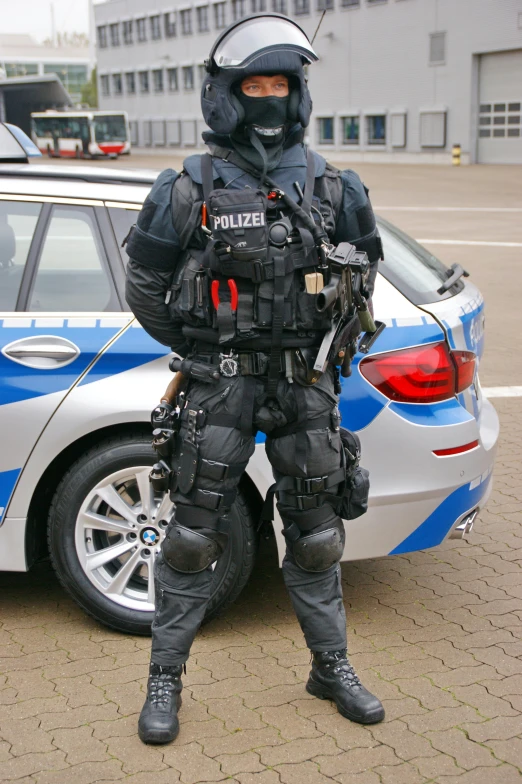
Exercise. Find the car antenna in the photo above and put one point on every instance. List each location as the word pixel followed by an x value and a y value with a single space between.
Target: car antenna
pixel 318 26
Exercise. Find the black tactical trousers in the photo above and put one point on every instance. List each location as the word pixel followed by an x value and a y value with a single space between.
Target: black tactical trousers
pixel 316 596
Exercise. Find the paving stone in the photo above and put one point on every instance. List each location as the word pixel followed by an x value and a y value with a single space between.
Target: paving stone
pixel 21 710
pixel 266 777
pixel 400 774
pixel 80 691
pixel 286 719
pixel 278 695
pixel 406 744
pixel 508 750
pixel 500 728
pixel 434 767
pixel 442 719
pixel 230 687
pixel 346 734
pixel 357 760
pixel 85 773
pixel 503 774
pixel 464 676
pixel 240 763
pixel 269 672
pixel 136 757
pixel 220 665
pixel 239 742
pixel 366 777
pixel 302 773
pixel 299 750
pixel 79 745
pixel 118 727
pixel 468 754
pixel 75 717
pixel 26 765
pixel 193 765
pixel 426 693
pixel 487 704
pixel 199 730
pixel 25 736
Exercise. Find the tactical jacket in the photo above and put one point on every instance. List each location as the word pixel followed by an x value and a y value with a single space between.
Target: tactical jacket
pixel 168 241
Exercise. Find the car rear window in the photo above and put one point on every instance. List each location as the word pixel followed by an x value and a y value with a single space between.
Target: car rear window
pixel 412 269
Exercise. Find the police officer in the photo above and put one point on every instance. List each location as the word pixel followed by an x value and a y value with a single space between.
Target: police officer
pixel 224 268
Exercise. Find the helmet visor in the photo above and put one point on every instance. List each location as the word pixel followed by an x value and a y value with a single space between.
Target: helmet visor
pixel 257 36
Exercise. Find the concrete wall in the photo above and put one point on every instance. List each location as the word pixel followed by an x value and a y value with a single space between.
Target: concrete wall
pixel 375 60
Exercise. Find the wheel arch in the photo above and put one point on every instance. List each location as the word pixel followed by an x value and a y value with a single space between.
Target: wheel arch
pixel 45 489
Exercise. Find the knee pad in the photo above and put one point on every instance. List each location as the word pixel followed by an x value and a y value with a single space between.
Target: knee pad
pixel 188 551
pixel 317 552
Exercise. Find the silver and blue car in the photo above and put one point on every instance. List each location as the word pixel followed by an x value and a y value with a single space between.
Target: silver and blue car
pixel 79 377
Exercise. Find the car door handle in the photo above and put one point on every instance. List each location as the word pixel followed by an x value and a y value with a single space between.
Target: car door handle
pixel 44 352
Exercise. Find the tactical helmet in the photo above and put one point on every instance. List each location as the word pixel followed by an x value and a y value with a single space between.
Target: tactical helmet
pixel 258 44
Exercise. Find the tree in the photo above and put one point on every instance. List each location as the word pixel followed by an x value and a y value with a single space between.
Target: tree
pixel 90 91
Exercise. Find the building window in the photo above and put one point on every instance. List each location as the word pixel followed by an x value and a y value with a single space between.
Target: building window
pixel 376 2
pixel 202 73
pixel 102 36
pixel 21 69
pixel 130 83
pixel 155 27
pixel 188 77
pixel 144 81
pixel 114 30
pixel 280 6
pixel 202 18
pixel 186 21
pixel 325 5
pixel 238 9
pixel 157 80
pixel 433 129
pixel 169 21
pixel 350 129
pixel 350 3
pixel 325 126
pixel 376 124
pixel 141 25
pixel 220 17
pixel 172 78
pixel 127 31
pixel 117 86
pixel 258 6
pixel 104 84
pixel 301 7
pixel 437 48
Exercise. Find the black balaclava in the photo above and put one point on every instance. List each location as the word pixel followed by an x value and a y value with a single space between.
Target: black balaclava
pixel 260 136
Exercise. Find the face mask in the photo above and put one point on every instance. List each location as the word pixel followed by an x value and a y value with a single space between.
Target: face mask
pixel 267 116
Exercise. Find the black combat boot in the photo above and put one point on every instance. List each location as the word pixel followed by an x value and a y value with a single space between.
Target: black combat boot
pixel 158 721
pixel 333 678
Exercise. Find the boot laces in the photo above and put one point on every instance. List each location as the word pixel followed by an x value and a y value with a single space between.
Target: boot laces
pixel 341 667
pixel 162 685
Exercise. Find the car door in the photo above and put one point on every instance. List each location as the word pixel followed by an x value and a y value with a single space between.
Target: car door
pixel 59 308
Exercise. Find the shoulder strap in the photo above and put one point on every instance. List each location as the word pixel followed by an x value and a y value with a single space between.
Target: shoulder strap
pixel 308 194
pixel 207 176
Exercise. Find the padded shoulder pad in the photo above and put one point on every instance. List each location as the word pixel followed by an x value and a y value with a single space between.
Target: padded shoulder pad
pixel 192 165
pixel 153 241
pixel 320 164
pixel 355 219
pixel 353 185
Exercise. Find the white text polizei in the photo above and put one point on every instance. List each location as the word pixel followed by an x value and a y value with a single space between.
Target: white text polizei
pixel 239 220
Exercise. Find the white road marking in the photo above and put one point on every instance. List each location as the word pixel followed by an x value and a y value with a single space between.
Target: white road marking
pixel 502 391
pixel 449 209
pixel 476 243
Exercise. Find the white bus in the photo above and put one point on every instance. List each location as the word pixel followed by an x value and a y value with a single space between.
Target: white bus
pixel 81 134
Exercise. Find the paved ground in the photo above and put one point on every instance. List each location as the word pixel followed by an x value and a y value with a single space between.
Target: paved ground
pixel 437 635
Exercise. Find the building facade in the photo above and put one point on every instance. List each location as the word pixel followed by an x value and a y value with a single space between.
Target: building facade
pixel 397 80
pixel 21 55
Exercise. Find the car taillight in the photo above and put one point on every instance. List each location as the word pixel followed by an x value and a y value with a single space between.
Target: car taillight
pixel 465 364
pixel 423 374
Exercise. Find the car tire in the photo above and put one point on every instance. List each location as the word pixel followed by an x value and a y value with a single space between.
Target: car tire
pixel 77 499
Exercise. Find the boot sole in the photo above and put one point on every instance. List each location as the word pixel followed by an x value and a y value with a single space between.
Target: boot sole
pixel 160 737
pixel 324 693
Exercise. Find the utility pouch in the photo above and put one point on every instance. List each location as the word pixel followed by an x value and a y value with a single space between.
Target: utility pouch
pixel 354 501
pixel 238 220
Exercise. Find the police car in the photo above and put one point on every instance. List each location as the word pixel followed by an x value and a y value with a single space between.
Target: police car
pixel 79 376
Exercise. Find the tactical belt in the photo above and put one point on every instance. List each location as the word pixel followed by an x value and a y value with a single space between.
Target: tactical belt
pixel 251 363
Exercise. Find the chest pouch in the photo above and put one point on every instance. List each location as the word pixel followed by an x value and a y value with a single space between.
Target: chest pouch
pixel 239 223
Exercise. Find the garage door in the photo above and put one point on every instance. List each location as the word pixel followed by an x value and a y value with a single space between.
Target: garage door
pixel 500 126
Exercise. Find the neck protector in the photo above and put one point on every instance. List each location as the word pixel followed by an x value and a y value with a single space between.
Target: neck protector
pixel 259 139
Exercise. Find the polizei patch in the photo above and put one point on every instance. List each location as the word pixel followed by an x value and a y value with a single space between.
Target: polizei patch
pixel 239 220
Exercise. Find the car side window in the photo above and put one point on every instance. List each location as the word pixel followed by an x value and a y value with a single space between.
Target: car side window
pixel 122 218
pixel 18 221
pixel 72 274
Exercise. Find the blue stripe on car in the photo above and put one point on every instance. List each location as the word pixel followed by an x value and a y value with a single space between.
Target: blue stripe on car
pixel 434 529
pixel 20 382
pixel 7 482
